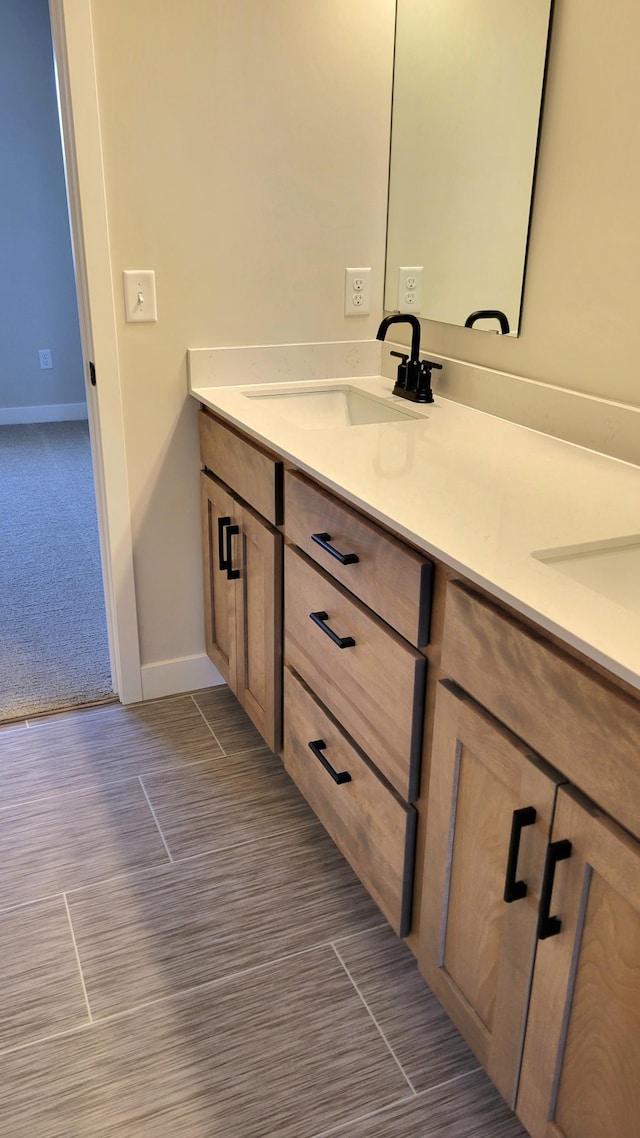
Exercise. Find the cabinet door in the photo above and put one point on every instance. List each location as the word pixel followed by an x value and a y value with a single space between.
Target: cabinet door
pixel 218 513
pixel 475 948
pixel 259 624
pixel 581 1065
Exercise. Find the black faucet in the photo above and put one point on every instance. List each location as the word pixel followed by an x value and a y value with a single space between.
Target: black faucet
pixel 414 375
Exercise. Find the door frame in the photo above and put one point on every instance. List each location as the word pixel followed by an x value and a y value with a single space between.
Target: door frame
pixel 72 34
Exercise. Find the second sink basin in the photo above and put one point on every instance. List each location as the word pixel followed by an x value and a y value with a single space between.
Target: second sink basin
pixel 315 408
pixel 610 567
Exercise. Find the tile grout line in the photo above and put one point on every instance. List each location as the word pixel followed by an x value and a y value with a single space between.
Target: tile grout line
pixel 159 865
pixel 167 998
pixel 90 788
pixel 342 1126
pixel 78 961
pixel 144 791
pixel 201 712
pixel 386 1041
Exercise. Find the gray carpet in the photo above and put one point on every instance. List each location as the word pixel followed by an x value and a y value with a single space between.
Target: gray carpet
pixel 53 635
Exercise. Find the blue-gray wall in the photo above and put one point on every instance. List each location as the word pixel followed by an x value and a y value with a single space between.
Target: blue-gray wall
pixel 38 307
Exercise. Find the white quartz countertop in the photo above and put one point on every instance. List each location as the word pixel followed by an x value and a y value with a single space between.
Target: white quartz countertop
pixel 482 495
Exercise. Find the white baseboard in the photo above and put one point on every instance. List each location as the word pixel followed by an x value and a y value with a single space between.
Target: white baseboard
pixel 169 677
pixel 53 413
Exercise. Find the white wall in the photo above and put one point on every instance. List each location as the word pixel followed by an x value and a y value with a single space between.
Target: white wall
pixel 246 147
pixel 246 150
pixel 37 289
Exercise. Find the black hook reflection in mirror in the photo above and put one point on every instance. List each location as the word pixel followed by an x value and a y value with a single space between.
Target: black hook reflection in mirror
pixel 489 314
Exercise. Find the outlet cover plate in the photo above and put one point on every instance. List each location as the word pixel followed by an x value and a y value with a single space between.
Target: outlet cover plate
pixel 410 288
pixel 357 292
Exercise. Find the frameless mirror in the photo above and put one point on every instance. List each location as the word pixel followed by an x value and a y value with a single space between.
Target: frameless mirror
pixel 467 98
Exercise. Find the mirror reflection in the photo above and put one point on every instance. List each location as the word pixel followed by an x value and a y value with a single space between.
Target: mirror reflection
pixel 468 83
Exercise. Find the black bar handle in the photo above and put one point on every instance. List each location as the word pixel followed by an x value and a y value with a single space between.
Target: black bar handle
pixel 323 539
pixel 232 574
pixel 319 618
pixel 222 522
pixel 489 314
pixel 317 747
pixel 550 926
pixel 514 890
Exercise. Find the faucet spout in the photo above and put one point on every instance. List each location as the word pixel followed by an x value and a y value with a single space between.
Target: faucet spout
pixel 402 318
pixel 414 375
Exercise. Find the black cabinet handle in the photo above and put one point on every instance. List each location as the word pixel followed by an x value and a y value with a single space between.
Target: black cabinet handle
pixel 550 926
pixel 514 890
pixel 232 574
pixel 317 747
pixel 323 539
pixel 222 522
pixel 319 618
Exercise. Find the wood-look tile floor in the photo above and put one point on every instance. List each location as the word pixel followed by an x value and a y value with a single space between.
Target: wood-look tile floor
pixel 185 954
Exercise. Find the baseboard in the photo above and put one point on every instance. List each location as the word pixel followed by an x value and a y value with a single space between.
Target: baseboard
pixel 169 677
pixel 53 413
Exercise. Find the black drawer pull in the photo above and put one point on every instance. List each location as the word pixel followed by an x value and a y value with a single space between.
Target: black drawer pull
pixel 323 539
pixel 515 890
pixel 222 522
pixel 232 574
pixel 319 618
pixel 550 926
pixel 317 747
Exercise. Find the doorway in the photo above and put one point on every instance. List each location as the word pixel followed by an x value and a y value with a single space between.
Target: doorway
pixel 54 647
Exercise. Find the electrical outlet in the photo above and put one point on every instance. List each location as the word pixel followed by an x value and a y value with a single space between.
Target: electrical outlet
pixel 357 292
pixel 46 358
pixel 409 288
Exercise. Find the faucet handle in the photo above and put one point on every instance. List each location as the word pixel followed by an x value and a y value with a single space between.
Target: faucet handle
pixel 402 377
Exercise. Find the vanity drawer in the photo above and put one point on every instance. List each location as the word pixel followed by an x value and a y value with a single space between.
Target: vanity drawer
pixel 252 473
pixel 375 687
pixel 581 724
pixel 393 580
pixel 374 830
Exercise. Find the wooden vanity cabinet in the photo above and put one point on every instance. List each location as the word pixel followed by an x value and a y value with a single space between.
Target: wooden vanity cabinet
pixel 476 950
pixel 242 571
pixel 580 1075
pixel 354 686
pixel 546 987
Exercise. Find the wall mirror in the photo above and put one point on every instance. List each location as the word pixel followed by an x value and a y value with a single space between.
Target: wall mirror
pixel 467 100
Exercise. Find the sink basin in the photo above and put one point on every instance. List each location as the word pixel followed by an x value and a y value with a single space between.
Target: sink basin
pixel 611 568
pixel 315 408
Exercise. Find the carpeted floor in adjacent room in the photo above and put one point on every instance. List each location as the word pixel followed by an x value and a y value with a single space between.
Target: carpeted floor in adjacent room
pixel 53 637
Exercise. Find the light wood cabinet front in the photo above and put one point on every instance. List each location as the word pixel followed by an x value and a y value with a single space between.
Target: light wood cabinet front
pixel 251 472
pixel 392 579
pixel 374 685
pixel 243 604
pixel 475 948
pixel 372 827
pixel 581 1065
pixel 217 513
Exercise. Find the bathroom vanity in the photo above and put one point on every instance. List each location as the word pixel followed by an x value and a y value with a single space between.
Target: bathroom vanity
pixel 401 607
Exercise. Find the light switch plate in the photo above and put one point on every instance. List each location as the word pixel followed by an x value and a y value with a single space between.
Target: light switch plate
pixel 140 295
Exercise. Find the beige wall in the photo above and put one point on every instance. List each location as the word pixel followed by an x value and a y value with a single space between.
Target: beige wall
pixel 246 150
pixel 246 147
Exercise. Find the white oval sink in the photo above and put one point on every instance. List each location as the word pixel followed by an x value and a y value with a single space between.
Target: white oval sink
pixel 315 408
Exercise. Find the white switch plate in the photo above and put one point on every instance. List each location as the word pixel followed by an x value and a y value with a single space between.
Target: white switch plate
pixel 409 288
pixel 357 292
pixel 140 295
